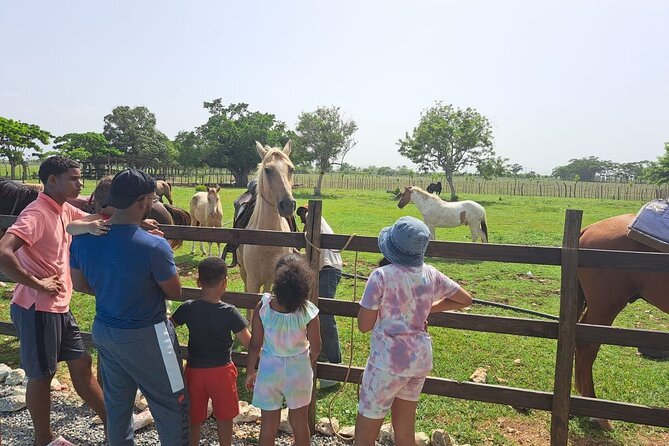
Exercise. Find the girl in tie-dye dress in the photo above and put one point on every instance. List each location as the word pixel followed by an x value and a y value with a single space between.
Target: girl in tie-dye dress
pixel 395 305
pixel 286 336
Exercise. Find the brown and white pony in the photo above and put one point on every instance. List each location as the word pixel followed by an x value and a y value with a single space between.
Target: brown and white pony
pixel 274 204
pixel 206 211
pixel 439 213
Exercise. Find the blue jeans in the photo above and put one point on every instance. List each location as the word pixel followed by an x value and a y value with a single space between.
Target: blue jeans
pixel 328 279
pixel 148 358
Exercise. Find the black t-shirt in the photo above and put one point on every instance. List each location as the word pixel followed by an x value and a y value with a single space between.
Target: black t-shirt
pixel 210 328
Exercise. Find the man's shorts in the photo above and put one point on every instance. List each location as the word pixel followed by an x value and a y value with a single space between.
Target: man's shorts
pixel 278 377
pixel 380 388
pixel 46 339
pixel 217 383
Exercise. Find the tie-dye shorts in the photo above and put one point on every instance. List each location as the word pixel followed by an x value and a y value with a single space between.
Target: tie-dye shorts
pixel 283 377
pixel 380 388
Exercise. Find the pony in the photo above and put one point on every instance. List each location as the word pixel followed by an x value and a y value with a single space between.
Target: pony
pixel 274 205
pixel 14 197
pixel 605 292
pixel 435 188
pixel 439 213
pixel 164 188
pixel 205 207
pixel 164 214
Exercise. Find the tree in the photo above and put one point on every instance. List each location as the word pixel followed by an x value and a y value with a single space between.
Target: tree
pixel 449 139
pixel 326 137
pixel 229 135
pixel 515 168
pixel 16 137
pixel 133 132
pixel 658 172
pixel 585 169
pixel 493 167
pixel 88 147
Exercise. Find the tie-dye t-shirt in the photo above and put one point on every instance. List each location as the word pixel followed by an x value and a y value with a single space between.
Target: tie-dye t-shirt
pixel 285 333
pixel 403 297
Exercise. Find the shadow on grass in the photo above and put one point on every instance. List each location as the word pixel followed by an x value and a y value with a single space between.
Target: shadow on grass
pixel 590 435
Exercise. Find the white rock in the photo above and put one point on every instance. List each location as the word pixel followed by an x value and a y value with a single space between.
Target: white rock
pixel 4 371
pixel 347 431
pixel 210 408
pixel 141 419
pixel 247 413
pixel 15 377
pixel 441 438
pixel 386 434
pixel 12 403
pixel 55 385
pixel 421 439
pixel 18 390
pixel 326 428
pixel 97 420
pixel 480 375
pixel 141 404
pixel 285 426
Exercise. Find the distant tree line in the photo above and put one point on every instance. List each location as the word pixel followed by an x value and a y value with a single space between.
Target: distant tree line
pixel 447 141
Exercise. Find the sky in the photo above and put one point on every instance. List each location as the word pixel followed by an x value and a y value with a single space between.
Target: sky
pixel 557 79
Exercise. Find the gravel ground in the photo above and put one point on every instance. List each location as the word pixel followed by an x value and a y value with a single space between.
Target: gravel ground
pixel 74 420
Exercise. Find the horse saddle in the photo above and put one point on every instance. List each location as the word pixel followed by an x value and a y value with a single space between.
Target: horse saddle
pixel 651 225
pixel 244 206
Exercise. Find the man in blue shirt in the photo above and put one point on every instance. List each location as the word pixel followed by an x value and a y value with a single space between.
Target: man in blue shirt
pixel 132 273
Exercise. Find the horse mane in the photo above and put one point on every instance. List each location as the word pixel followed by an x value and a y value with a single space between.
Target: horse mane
pixel 425 193
pixel 14 197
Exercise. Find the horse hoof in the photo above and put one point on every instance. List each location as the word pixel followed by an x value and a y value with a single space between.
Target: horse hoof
pixel 603 423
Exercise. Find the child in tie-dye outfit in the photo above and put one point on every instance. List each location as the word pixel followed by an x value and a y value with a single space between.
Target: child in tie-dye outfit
pixel 395 305
pixel 286 326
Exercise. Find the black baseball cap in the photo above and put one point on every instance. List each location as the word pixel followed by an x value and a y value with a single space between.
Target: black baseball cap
pixel 127 186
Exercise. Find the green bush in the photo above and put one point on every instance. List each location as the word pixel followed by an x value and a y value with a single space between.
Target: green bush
pixel 200 188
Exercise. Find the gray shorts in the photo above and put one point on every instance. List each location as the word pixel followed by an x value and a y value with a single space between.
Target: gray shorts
pixel 46 339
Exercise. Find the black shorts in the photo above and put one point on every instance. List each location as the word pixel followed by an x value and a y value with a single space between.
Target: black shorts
pixel 46 339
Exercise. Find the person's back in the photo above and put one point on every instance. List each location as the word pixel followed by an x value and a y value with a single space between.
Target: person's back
pixel 210 372
pixel 124 268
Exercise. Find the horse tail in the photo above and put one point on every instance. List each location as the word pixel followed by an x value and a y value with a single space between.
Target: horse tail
pixel 582 304
pixel 180 217
pixel 484 228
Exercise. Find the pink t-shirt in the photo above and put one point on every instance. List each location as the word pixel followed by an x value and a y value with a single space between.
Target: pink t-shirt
pixel 403 297
pixel 46 251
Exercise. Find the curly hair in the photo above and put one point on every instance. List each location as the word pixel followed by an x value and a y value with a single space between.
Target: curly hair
pixel 55 165
pixel 211 271
pixel 293 280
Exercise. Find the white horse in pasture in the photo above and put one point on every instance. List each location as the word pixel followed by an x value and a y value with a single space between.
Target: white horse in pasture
pixel 205 210
pixel 439 213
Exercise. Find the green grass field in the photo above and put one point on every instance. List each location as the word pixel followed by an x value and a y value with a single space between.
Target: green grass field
pixel 620 374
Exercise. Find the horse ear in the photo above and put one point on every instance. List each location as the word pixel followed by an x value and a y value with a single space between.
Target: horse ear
pixel 261 150
pixel 288 147
pixel 218 188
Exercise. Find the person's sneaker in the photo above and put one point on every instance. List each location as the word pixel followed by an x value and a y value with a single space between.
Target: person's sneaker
pixel 60 441
pixel 325 383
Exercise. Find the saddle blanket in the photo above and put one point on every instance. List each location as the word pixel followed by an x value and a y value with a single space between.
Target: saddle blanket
pixel 651 225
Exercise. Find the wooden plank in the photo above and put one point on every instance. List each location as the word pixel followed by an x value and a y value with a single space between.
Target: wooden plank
pixel 237 236
pixel 629 260
pixel 313 235
pixel 564 362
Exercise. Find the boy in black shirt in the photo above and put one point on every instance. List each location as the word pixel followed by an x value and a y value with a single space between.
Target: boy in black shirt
pixel 210 372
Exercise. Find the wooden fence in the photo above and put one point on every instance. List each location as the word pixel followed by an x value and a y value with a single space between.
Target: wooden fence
pixel 567 331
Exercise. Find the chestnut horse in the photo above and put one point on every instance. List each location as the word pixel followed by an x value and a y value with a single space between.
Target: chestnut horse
pixel 608 291
pixel 439 213
pixel 274 201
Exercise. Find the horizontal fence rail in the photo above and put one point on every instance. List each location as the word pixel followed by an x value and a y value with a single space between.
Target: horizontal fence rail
pixel 657 262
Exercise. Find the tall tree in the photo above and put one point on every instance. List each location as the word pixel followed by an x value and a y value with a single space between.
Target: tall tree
pixel 449 139
pixel 658 172
pixel 493 167
pixel 16 137
pixel 228 137
pixel 582 169
pixel 89 147
pixel 133 132
pixel 325 137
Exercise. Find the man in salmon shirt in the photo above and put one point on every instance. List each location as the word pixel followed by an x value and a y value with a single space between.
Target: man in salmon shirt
pixel 35 253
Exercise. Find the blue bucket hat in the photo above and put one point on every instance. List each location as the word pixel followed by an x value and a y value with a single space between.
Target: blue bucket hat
pixel 405 242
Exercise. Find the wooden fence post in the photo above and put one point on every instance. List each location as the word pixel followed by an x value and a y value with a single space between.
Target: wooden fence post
pixel 566 344
pixel 314 257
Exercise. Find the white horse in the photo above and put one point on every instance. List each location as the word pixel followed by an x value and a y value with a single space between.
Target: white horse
pixel 205 210
pixel 439 213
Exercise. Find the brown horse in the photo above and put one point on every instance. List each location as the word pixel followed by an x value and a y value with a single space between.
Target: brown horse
pixel 274 204
pixel 607 292
pixel 164 214
pixel 164 188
